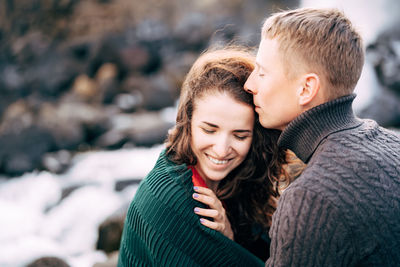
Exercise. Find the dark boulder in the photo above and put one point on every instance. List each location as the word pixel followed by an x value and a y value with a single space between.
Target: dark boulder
pixel 129 55
pixel 22 151
pixel 48 262
pixel 110 231
pixel 139 129
pixel 384 54
pixel 385 109
pixel 120 185
pixel 151 93
pixel 57 162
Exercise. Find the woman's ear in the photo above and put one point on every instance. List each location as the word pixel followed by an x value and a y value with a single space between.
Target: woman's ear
pixel 308 89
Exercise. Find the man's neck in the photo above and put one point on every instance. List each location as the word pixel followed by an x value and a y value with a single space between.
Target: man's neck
pixel 304 134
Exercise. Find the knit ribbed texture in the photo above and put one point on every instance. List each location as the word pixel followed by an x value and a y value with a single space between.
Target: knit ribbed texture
pixel 161 228
pixel 344 210
pixel 306 131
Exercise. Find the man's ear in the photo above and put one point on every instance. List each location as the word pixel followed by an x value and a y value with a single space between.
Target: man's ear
pixel 309 88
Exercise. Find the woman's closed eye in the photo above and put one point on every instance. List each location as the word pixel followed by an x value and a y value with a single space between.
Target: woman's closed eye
pixel 208 131
pixel 241 137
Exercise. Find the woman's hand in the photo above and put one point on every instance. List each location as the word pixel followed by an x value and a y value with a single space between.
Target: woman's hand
pixel 216 211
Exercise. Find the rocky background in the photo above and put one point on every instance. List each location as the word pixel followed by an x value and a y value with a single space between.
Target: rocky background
pixel 78 76
pixel 94 74
pixel 384 55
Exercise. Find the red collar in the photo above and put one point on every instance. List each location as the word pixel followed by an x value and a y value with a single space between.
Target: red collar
pixel 196 178
pixel 198 181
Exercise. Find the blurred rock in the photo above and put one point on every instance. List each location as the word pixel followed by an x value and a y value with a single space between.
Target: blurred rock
pixel 24 15
pixel 158 97
pixel 52 74
pixel 122 184
pixel 28 48
pixel 176 70
pixel 150 137
pixel 139 129
pixel 152 93
pixel 72 123
pixel 57 162
pixel 137 57
pixel 96 18
pixel 107 71
pixel 68 190
pixel 108 83
pixel 17 117
pixel 37 66
pixel 85 88
pixel 110 231
pixel 112 139
pixel 5 100
pixel 66 130
pixel 82 50
pixel 12 79
pixel 17 163
pixel 384 54
pixel 128 55
pixel 152 30
pixel 22 151
pixel 129 102
pixel 193 31
pixel 385 109
pixel 48 262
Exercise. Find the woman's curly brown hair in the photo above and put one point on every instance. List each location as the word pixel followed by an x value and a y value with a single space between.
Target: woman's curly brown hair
pixel 250 191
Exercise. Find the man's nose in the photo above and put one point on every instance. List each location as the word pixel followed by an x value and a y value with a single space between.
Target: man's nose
pixel 249 85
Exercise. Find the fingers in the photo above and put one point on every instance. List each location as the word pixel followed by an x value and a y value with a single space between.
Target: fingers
pixel 209 201
pixel 216 213
pixel 204 191
pixel 212 225
pixel 207 196
pixel 220 227
pixel 207 213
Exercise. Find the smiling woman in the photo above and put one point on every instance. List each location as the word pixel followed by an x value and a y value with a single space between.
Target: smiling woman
pixel 210 197
pixel 220 140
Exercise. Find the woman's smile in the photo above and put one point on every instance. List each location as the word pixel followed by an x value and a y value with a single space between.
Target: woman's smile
pixel 217 161
pixel 220 140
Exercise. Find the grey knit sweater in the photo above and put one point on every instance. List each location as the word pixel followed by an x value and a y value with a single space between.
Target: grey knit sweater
pixel 344 210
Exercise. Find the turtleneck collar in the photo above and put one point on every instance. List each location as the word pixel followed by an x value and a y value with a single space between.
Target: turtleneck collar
pixel 303 134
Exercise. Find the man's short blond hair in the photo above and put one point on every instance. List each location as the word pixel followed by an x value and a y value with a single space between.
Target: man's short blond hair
pixel 322 41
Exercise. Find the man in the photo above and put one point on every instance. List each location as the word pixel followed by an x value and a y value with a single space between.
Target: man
pixel 344 210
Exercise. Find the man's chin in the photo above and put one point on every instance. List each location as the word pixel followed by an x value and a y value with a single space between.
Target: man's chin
pixel 269 125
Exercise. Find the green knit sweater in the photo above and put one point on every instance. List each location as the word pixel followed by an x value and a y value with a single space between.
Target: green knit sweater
pixel 161 228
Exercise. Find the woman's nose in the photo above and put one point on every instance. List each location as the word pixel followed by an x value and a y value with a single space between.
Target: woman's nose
pixel 222 147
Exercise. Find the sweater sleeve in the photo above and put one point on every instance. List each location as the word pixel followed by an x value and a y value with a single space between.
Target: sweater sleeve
pixel 308 230
pixel 161 228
